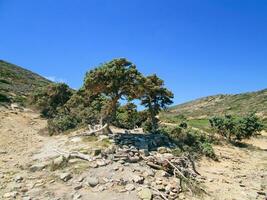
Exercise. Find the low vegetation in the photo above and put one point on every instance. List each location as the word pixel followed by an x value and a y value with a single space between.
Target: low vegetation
pixel 17 83
pixel 220 105
pixel 189 140
pixel 236 129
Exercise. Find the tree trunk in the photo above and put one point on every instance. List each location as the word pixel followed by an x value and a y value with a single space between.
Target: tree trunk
pixel 112 114
pixel 153 118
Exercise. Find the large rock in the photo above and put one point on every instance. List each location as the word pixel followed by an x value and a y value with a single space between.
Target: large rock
pixel 145 194
pixel 137 179
pixel 65 176
pixel 163 150
pixel 96 151
pixel 59 162
pixel 92 181
pixel 37 167
pixel 10 195
pixel 129 187
pixel 18 178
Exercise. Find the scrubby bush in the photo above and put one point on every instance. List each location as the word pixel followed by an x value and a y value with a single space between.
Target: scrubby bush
pixel 126 116
pixel 189 140
pixel 248 126
pixel 236 128
pixel 4 98
pixel 61 123
pixel 51 98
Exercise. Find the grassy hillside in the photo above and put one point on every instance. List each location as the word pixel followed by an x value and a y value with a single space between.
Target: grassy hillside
pixel 198 111
pixel 16 82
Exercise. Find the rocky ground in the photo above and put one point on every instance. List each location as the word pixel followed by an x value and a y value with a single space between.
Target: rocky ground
pixel 121 166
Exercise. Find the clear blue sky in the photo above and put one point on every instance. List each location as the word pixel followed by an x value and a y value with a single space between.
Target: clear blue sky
pixel 199 47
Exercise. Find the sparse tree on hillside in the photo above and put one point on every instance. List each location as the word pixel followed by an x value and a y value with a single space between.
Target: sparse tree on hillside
pixel 116 80
pixel 155 97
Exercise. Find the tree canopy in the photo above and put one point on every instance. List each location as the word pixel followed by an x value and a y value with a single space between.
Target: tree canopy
pixel 155 97
pixel 115 80
pixel 100 96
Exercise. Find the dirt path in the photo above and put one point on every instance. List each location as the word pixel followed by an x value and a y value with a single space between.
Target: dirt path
pixel 240 174
pixel 21 146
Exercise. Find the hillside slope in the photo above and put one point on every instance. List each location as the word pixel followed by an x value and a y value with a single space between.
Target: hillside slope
pixel 16 82
pixel 238 104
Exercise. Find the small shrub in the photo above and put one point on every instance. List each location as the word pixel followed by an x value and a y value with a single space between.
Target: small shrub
pixel 236 128
pixel 189 140
pixel 51 98
pixel 4 98
pixel 61 123
pixel 208 151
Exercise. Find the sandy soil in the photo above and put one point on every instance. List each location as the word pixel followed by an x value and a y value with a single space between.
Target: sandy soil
pixel 240 173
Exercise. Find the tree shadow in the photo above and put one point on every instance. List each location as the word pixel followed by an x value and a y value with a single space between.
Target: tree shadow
pixel 244 145
pixel 149 141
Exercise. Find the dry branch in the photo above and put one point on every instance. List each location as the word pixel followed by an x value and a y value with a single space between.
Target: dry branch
pixel 75 155
pixel 92 131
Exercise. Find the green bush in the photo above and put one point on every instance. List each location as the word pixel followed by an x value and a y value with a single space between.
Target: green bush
pixel 61 123
pixel 248 126
pixel 189 140
pixel 51 98
pixel 236 128
pixel 126 116
pixel 207 150
pixel 4 98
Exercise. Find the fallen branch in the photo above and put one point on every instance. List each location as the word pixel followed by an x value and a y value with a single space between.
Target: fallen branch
pixel 179 172
pixel 91 131
pixel 160 193
pixel 75 155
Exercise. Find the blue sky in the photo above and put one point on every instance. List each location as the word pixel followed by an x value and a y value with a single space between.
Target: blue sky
pixel 199 47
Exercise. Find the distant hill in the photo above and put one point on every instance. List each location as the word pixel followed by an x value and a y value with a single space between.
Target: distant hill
pixel 238 104
pixel 16 82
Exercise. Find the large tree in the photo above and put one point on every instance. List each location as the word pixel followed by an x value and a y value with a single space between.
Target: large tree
pixel 155 97
pixel 117 79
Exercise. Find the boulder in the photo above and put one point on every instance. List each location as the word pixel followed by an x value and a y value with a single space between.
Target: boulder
pixel 65 176
pixel 96 152
pixel 59 162
pixel 92 181
pixel 145 194
pixel 163 150
pixel 37 167
pixel 137 179
pixel 18 178
pixel 129 187
pixel 10 195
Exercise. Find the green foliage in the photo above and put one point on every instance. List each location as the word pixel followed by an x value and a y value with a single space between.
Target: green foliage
pixel 51 98
pixel 17 83
pixel 248 126
pixel 87 108
pixel 189 140
pixel 98 99
pixel 219 105
pixel 4 98
pixel 126 116
pixel 4 81
pixel 155 97
pixel 207 150
pixel 61 123
pixel 239 128
pixel 116 79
